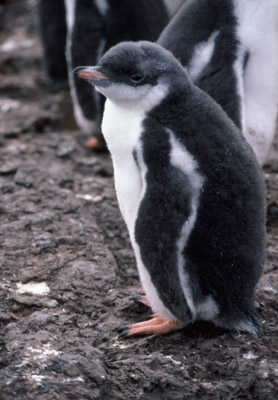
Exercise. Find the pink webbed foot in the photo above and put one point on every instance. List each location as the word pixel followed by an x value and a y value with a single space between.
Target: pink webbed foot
pixel 156 325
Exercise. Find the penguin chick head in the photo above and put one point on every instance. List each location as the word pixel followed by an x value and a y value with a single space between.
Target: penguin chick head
pixel 134 73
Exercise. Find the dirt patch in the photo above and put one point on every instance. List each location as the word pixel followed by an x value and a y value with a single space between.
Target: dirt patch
pixel 67 268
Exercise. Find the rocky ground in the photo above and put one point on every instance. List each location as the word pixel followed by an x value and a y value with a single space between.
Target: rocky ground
pixel 67 269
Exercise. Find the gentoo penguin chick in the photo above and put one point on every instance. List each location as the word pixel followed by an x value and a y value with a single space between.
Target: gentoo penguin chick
pixel 93 27
pixel 229 49
pixel 189 188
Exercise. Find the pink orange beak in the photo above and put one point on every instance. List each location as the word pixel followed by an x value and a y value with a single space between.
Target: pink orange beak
pixel 90 73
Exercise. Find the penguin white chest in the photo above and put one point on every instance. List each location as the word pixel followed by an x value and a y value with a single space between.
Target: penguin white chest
pixel 122 130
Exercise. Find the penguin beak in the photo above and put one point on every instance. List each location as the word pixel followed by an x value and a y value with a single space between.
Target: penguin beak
pixel 90 73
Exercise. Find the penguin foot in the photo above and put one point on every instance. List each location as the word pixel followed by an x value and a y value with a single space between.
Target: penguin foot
pixel 96 143
pixel 156 325
pixel 141 300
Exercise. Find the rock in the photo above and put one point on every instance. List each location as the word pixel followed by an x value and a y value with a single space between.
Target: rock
pixel 9 168
pixel 25 176
pixel 40 124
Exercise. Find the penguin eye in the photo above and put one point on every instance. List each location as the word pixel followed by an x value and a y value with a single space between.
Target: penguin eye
pixel 136 78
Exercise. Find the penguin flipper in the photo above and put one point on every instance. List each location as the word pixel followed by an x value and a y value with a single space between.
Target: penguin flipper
pixel 154 326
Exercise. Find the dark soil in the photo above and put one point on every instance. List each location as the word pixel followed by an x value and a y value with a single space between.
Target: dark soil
pixel 67 268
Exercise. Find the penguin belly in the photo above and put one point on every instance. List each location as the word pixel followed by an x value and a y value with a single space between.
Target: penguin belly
pixel 122 131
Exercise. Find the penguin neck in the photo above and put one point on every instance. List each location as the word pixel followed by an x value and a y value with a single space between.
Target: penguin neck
pixel 122 123
pixel 121 127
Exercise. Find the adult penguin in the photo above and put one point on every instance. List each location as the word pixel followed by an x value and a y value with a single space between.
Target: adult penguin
pixel 93 27
pixel 84 30
pixel 229 49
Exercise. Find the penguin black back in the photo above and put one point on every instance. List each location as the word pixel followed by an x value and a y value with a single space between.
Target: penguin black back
pixel 208 26
pixel 228 50
pixel 53 30
pixel 225 250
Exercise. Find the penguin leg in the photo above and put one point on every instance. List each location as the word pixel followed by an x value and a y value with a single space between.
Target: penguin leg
pixel 156 325
pixel 141 300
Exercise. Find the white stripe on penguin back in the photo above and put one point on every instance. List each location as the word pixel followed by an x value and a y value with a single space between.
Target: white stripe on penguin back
pixel 70 11
pixel 206 308
pixel 102 6
pixel 173 6
pixel 184 161
pixel 201 56
pixel 239 68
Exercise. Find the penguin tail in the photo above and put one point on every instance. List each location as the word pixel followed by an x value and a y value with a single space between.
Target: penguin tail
pixel 259 331
pixel 251 323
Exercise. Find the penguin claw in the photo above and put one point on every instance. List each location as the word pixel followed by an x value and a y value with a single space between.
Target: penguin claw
pixel 136 298
pixel 123 334
pixel 156 325
pixel 123 331
pixel 140 300
pixel 122 328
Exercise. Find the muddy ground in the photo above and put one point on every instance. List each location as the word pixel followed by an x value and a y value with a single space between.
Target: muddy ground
pixel 67 269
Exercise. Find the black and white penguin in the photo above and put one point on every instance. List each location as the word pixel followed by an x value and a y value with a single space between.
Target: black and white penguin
pixel 53 31
pixel 229 49
pixel 93 27
pixel 189 188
